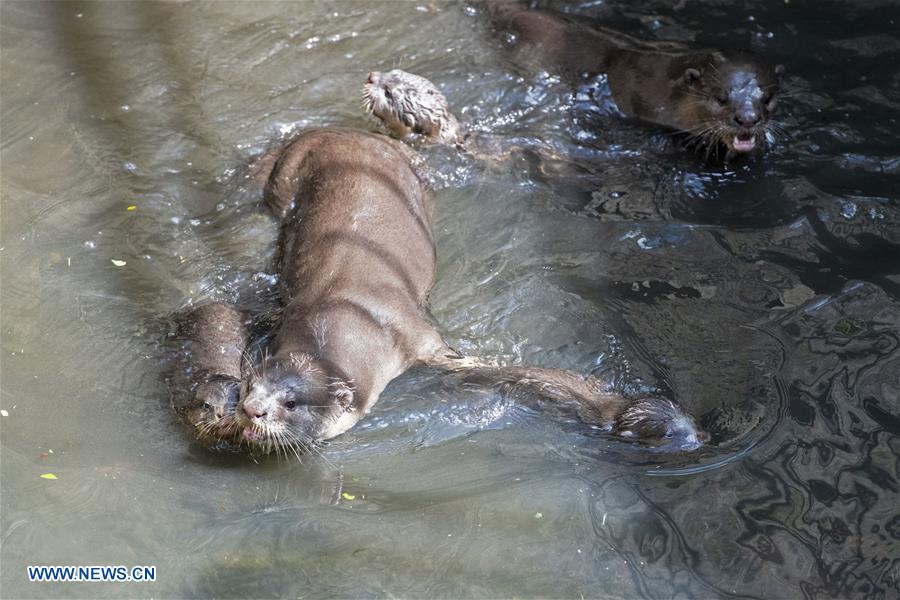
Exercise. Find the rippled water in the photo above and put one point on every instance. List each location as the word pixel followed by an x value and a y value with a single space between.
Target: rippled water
pixel 765 297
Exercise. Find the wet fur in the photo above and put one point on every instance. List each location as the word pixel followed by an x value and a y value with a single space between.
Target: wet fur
pixel 214 337
pixel 700 92
pixel 357 260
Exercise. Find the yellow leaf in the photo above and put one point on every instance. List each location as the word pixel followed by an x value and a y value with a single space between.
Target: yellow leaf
pixel 118 263
pixel 49 476
pixel 347 496
pixel 132 207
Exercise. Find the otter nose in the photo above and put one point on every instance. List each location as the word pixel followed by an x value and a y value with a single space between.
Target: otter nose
pixel 747 119
pixel 254 412
pixel 371 78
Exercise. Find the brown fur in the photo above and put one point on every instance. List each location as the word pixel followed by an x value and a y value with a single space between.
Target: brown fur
pixel 713 96
pixel 214 336
pixel 357 260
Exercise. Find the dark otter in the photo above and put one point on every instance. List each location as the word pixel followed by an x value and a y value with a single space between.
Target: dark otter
pixel 214 337
pixel 714 97
pixel 357 260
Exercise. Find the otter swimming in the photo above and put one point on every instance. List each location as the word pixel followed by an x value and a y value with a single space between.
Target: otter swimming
pixel 714 97
pixel 214 337
pixel 408 103
pixel 357 260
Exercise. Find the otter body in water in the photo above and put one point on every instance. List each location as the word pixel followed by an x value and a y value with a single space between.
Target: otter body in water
pixel 716 97
pixel 214 338
pixel 357 260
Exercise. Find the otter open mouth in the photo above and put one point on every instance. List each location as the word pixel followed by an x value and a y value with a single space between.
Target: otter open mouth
pixel 744 142
pixel 253 435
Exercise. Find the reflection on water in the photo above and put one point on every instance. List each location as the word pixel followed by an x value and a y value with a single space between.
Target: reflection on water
pixel 763 296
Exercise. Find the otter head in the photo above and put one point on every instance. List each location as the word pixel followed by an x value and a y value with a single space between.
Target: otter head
pixel 659 422
pixel 730 100
pixel 211 412
pixel 407 103
pixel 292 403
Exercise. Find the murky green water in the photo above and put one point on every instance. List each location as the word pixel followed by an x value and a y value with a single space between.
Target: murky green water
pixel 766 299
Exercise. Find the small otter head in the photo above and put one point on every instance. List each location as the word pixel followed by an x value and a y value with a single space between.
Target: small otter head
pixel 292 403
pixel 211 412
pixel 731 100
pixel 659 422
pixel 407 103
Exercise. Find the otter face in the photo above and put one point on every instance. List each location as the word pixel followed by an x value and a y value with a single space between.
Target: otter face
pixel 659 422
pixel 731 103
pixel 408 103
pixel 292 404
pixel 211 412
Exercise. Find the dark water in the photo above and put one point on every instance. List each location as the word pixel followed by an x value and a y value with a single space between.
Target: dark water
pixel 764 296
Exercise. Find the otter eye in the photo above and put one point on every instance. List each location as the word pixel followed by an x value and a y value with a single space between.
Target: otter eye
pixel 722 99
pixel 387 93
pixel 290 404
pixel 207 405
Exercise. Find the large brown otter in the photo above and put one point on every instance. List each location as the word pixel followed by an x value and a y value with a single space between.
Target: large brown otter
pixel 214 337
pixel 357 260
pixel 715 97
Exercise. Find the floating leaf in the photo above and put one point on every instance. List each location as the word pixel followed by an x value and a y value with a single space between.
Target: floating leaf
pixel 347 496
pixel 131 207
pixel 49 476
pixel 118 263
pixel 3 413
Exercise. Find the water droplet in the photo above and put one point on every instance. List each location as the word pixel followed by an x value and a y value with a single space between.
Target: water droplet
pixel 848 210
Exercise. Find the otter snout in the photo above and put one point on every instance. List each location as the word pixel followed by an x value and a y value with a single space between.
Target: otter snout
pixel 748 119
pixel 254 411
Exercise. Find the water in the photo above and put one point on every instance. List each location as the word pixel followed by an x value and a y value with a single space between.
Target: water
pixel 765 297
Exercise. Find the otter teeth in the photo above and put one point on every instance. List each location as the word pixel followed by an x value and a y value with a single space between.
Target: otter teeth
pixel 744 144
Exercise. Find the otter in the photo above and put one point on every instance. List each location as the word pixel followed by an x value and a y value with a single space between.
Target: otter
pixel 410 104
pixel 214 336
pixel 357 260
pixel 714 97
pixel 412 108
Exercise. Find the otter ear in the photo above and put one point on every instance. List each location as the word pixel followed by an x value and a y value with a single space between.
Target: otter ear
pixel 691 76
pixel 779 71
pixel 343 395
